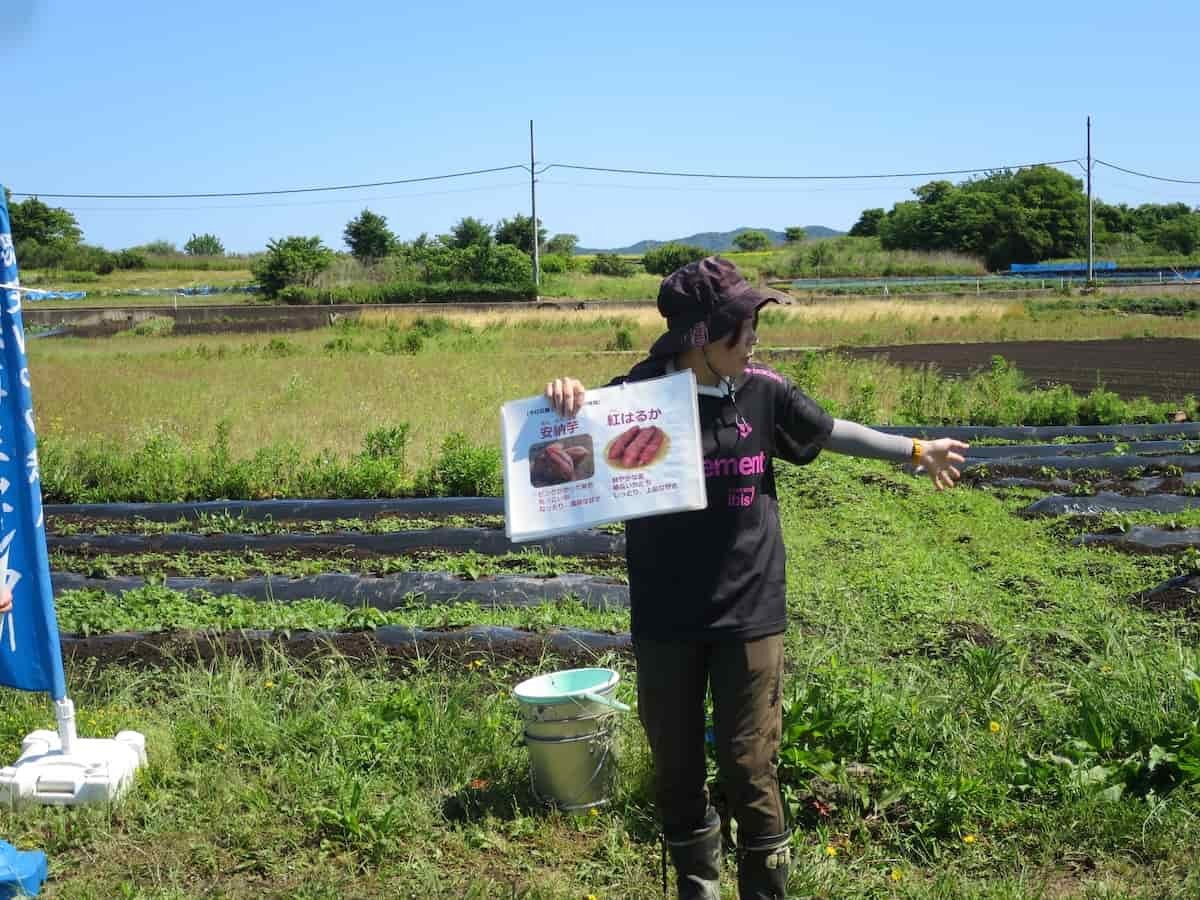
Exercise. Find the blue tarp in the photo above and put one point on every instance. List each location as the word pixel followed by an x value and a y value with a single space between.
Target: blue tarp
pixel 1047 269
pixel 21 871
pixel 34 294
pixel 30 654
pixel 203 290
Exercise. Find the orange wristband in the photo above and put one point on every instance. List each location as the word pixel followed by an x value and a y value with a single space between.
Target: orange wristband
pixel 917 452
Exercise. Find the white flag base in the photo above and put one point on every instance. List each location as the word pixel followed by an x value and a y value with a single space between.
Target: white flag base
pixel 64 770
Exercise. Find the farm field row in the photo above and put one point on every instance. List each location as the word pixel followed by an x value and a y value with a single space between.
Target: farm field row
pixel 643 289
pixel 975 700
pixel 323 390
pixel 863 274
pixel 973 707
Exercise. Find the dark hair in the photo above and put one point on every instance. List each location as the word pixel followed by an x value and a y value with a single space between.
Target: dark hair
pixel 736 336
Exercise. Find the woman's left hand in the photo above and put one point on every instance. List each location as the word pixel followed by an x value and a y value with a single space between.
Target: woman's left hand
pixel 941 459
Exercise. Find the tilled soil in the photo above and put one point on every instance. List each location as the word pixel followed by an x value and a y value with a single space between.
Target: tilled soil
pixel 1180 593
pixel 1159 368
pixel 481 540
pixel 395 643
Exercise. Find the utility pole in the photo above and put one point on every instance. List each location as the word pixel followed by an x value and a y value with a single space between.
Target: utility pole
pixel 537 269
pixel 1091 245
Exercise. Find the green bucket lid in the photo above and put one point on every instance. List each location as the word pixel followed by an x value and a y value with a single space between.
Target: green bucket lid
pixel 565 686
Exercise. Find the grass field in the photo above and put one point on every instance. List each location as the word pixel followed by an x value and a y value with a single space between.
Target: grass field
pixel 832 259
pixel 134 279
pixel 975 707
pixel 323 390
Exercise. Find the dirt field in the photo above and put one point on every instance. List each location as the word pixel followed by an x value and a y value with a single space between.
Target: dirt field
pixel 1160 368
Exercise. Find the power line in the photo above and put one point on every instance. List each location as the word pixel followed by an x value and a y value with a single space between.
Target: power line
pixel 1145 190
pixel 374 199
pixel 1146 175
pixel 609 170
pixel 1059 162
pixel 307 190
pixel 647 188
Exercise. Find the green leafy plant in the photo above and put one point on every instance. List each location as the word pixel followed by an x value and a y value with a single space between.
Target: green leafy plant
pixel 356 822
pixel 752 239
pixel 291 261
pixel 666 259
pixel 204 245
pixel 155 326
pixel 414 292
pixel 622 339
pixel 368 237
pixel 462 469
pixel 611 264
pixel 388 442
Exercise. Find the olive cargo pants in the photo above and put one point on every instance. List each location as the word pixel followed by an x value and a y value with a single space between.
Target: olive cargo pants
pixel 745 680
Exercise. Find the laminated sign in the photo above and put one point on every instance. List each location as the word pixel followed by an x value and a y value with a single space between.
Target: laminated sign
pixel 633 450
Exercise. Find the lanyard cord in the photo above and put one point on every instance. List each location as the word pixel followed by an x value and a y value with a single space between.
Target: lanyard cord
pixel 743 426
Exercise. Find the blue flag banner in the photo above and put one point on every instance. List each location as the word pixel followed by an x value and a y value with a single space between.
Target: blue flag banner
pixel 30 654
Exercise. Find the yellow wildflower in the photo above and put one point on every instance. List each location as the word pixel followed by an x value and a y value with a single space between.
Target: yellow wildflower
pixel 968 838
pixel 593 812
pixel 994 727
pixel 270 684
pixel 831 851
pixel 897 874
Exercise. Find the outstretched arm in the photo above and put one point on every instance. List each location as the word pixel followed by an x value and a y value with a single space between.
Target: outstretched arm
pixel 939 458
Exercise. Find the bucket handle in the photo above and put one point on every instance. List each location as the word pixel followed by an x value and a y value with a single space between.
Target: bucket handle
pixel 605 701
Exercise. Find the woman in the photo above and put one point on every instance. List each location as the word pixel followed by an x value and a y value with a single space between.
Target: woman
pixel 707 588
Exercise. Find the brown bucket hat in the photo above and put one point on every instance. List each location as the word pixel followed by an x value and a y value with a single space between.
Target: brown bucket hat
pixel 704 301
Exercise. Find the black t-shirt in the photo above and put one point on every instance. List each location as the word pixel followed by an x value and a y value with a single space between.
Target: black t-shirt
pixel 718 573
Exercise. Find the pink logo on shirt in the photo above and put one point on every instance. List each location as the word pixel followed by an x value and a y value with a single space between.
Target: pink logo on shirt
pixel 732 466
pixel 743 428
pixel 741 496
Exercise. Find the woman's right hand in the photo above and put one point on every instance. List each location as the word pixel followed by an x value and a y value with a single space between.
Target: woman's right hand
pixel 565 395
pixel 941 459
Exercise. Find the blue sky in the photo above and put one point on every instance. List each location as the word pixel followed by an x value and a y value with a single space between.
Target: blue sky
pixel 188 98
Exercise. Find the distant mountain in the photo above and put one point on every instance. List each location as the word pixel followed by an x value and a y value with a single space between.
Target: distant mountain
pixel 716 241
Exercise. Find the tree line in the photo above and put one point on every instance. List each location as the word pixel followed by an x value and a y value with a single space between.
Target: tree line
pixel 472 252
pixel 49 237
pixel 1025 216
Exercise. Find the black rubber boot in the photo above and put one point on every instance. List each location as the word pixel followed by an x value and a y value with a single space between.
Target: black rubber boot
pixel 697 858
pixel 763 867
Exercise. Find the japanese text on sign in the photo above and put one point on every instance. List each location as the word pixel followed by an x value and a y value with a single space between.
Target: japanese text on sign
pixel 630 417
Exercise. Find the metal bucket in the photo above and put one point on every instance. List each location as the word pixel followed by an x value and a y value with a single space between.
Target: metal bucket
pixel 570 730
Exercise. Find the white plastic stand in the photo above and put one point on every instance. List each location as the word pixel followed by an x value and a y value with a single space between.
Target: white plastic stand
pixel 65 770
